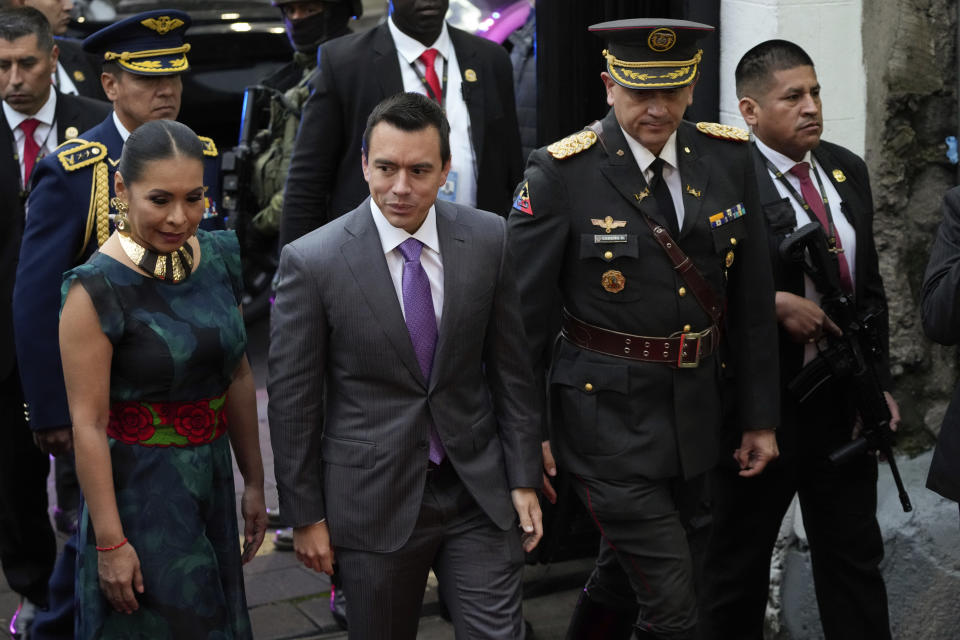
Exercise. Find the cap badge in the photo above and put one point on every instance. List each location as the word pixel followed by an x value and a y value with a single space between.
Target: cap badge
pixel 608 224
pixel 838 176
pixel 162 24
pixel 662 39
pixel 470 75
pixel 613 281
pixel 79 76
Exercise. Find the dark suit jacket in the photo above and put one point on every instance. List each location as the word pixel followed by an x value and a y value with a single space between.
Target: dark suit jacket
pixel 614 417
pixel 356 72
pixel 940 306
pixel 849 176
pixel 350 411
pixel 83 68
pixel 60 234
pixel 80 113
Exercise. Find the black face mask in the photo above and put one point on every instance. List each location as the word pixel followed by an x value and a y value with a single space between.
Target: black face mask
pixel 306 34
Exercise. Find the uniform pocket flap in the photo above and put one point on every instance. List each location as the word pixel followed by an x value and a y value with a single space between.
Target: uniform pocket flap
pixel 592 377
pixel 348 453
pixel 608 246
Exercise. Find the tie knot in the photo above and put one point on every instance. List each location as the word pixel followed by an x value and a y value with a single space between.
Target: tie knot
pixel 428 57
pixel 411 248
pixel 28 126
pixel 801 170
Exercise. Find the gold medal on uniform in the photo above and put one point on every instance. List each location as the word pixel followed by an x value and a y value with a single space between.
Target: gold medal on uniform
pixel 613 281
pixel 728 260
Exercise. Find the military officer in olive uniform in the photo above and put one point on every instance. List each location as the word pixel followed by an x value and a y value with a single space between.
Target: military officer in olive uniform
pixel 647 229
pixel 69 214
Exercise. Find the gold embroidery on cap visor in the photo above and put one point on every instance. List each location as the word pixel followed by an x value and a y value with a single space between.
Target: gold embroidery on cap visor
pixel 135 60
pixel 658 74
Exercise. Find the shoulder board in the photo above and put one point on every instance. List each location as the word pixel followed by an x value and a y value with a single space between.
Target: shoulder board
pixel 723 131
pixel 209 148
pixel 573 144
pixel 82 155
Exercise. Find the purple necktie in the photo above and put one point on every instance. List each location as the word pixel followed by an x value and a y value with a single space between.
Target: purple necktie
pixel 421 321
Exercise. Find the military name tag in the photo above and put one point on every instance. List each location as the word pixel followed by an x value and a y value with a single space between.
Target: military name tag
pixel 606 239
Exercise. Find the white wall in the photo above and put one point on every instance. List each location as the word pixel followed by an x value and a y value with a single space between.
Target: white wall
pixel 829 30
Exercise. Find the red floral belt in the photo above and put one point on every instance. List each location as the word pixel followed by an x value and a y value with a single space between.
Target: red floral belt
pixel 168 424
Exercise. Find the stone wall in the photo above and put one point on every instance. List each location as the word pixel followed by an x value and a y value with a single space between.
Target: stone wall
pixel 910 56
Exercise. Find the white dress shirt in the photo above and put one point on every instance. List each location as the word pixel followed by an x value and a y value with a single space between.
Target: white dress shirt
pixel 463 163
pixel 392 237
pixel 671 168
pixel 845 231
pixel 63 82
pixel 122 130
pixel 45 134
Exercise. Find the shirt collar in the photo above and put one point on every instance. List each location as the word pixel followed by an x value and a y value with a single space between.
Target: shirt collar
pixel 391 237
pixel 122 130
pixel 410 49
pixel 781 162
pixel 46 115
pixel 645 157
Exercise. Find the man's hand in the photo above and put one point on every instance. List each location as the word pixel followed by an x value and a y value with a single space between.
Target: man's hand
pixel 531 520
pixel 894 411
pixel 757 449
pixel 54 442
pixel 549 471
pixel 802 319
pixel 312 546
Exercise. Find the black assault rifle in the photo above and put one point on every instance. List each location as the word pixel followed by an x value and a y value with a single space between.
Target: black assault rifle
pixel 852 356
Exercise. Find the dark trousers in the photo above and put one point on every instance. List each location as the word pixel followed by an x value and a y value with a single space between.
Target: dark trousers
pixel 645 561
pixel 839 506
pixel 478 567
pixel 27 543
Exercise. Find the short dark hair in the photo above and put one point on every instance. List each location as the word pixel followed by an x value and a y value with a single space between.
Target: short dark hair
pixel 157 140
pixel 17 22
pixel 756 68
pixel 410 112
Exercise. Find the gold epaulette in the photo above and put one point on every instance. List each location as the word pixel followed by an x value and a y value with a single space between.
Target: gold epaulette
pixel 82 155
pixel 573 144
pixel 723 131
pixel 209 148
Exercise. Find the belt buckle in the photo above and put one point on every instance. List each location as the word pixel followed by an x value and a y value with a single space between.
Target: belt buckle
pixel 684 338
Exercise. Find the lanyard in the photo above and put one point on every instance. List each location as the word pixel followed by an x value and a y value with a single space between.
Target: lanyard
pixel 426 85
pixel 831 228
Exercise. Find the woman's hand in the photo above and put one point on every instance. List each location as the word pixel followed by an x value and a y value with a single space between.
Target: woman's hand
pixel 254 510
pixel 120 577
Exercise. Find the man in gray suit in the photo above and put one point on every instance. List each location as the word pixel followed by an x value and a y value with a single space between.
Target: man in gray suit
pixel 401 398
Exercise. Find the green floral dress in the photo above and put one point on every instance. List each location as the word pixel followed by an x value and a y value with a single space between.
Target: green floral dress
pixel 175 347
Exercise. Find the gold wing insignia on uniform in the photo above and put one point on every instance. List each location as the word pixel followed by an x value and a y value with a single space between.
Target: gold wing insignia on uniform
pixel 573 144
pixel 209 148
pixel 723 131
pixel 82 155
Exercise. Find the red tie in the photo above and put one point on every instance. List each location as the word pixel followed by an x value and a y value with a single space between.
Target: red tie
pixel 427 57
pixel 30 148
pixel 815 201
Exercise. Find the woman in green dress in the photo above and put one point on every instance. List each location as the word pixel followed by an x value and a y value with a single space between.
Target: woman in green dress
pixel 152 342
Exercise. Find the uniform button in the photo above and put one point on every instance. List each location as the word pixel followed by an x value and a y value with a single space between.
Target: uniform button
pixel 588 387
pixel 608 255
pixel 733 241
pixel 687 328
pixel 682 291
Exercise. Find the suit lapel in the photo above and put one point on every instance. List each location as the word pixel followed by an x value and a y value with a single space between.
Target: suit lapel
pixel 363 254
pixel 9 168
pixel 472 91
pixel 623 172
pixel 452 236
pixel 386 64
pixel 693 179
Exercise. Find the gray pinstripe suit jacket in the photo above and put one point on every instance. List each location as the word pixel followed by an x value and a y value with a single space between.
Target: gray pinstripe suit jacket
pixel 337 332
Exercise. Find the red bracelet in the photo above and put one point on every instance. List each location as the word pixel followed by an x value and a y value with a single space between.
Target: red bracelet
pixel 114 547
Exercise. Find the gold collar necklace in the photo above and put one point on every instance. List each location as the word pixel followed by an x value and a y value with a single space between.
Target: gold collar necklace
pixel 171 267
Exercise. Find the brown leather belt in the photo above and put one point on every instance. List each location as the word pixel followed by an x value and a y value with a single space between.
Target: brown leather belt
pixel 682 350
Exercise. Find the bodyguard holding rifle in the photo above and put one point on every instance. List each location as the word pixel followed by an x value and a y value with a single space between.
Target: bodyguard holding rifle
pixel 806 181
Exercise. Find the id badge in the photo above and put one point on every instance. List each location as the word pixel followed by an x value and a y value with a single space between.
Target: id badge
pixel 448 191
